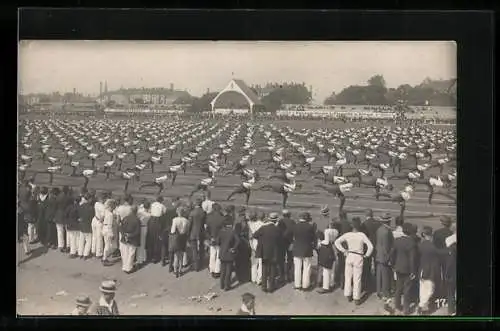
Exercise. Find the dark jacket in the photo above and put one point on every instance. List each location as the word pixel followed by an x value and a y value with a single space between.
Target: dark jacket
pixel 215 220
pixel 440 236
pixel 52 204
pixel 130 228
pixel 404 255
pixel 451 263
pixel 42 210
pixel 268 242
pixel 429 261
pixel 197 218
pixel 344 227
pixel 228 242
pixel 286 225
pixel 303 239
pixel 30 212
pixel 63 201
pixel 85 215
pixel 166 220
pixel 71 215
pixel 326 256
pixel 384 242
pixel 369 227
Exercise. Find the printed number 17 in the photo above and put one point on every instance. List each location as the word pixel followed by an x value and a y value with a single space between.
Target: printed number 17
pixel 440 303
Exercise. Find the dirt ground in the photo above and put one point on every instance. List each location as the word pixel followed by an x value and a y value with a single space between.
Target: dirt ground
pixel 47 283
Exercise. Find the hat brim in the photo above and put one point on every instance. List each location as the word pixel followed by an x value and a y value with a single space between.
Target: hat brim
pixel 105 290
pixel 86 305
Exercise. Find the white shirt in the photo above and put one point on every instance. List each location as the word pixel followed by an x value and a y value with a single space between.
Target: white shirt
pixel 143 215
pixel 123 211
pixel 158 209
pixel 181 224
pixel 451 240
pixel 99 211
pixel 398 232
pixel 254 226
pixel 207 206
pixel 109 223
pixel 355 243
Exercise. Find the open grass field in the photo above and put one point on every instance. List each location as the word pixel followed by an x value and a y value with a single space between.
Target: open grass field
pixel 53 272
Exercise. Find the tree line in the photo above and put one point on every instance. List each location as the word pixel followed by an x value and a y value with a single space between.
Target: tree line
pixel 436 92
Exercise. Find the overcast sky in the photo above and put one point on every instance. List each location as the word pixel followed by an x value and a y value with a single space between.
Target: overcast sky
pixel 47 66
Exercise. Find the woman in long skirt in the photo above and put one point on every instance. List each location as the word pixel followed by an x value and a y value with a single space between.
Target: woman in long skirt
pixel 242 261
pixel 154 240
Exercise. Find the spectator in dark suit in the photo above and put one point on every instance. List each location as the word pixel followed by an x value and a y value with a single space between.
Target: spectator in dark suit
pixel 439 238
pixel 85 215
pixel 42 199
pixel 384 240
pixel 404 260
pixel 228 241
pixel 451 271
pixel 197 234
pixel 130 229
pixel 429 269
pixel 304 242
pixel 369 228
pixel 286 224
pixel 242 263
pixel 268 237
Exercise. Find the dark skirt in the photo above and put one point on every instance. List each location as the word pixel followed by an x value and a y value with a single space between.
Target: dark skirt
pixel 153 238
pixel 22 228
pixel 179 242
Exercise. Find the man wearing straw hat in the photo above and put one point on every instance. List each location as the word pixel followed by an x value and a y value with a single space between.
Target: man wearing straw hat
pixel 82 306
pixel 268 245
pixel 107 304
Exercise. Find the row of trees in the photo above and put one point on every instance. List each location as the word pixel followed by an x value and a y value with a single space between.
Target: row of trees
pixel 438 93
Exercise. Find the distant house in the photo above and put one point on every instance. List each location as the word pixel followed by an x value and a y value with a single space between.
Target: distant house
pixel 143 96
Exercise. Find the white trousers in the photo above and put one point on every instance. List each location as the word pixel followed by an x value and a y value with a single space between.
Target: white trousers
pixel 61 236
pixel 73 241
pixel 302 272
pixel 141 250
pixel 109 247
pixel 353 272
pixel 32 235
pixel 256 268
pixel 97 246
pixel 425 293
pixel 214 262
pixel 327 275
pixel 127 253
pixel 67 238
pixel 84 244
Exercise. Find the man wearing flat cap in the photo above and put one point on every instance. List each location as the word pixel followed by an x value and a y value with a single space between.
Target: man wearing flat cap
pixel 404 260
pixel 304 242
pixel 107 304
pixel 439 239
pixel 268 244
pixel 429 270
